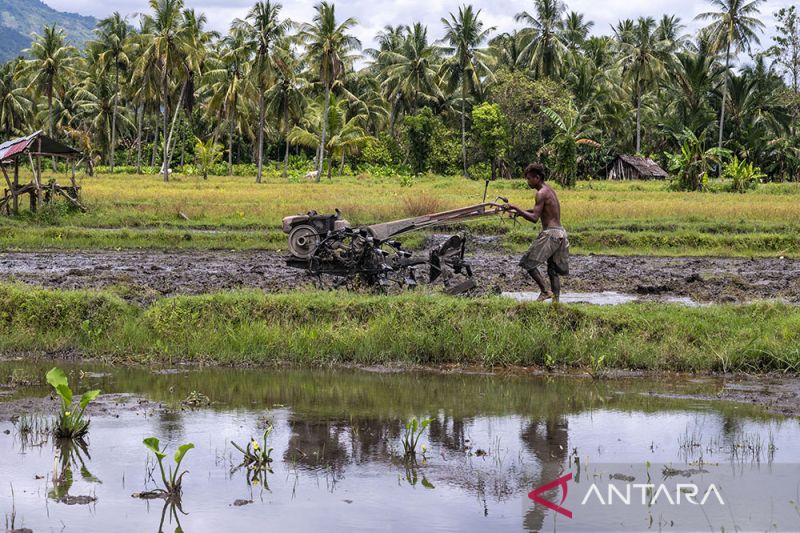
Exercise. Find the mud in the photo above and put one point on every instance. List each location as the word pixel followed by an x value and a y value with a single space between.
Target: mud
pixel 145 275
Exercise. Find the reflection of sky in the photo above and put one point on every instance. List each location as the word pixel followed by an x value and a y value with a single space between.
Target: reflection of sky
pixel 368 495
pixel 373 16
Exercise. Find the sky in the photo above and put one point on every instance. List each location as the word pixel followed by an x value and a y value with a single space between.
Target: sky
pixel 373 15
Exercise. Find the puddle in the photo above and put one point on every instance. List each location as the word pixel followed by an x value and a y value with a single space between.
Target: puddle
pixel 337 447
pixel 596 298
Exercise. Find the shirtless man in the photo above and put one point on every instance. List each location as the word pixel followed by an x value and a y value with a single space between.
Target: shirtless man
pixel 552 245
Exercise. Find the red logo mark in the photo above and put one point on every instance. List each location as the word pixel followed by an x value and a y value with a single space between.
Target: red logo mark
pixel 535 494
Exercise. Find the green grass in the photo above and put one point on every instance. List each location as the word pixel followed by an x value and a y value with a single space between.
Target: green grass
pixel 128 211
pixel 315 328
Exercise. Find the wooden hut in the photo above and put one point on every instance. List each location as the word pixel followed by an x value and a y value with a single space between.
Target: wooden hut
pixel 628 167
pixel 31 149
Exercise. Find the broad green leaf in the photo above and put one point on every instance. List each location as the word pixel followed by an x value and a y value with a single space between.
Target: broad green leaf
pixel 425 423
pixel 427 484
pixel 182 451
pixel 56 377
pixel 65 392
pixel 88 396
pixel 152 445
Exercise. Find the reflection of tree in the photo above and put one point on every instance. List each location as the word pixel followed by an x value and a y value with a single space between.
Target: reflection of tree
pixel 548 441
pixel 170 424
pixel 70 454
pixel 374 437
pixel 318 444
pixel 449 432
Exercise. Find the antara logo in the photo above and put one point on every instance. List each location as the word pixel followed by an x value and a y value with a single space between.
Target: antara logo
pixel 535 494
pixel 687 493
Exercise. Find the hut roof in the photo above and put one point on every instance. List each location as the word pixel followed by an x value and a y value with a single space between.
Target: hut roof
pixel 645 166
pixel 46 146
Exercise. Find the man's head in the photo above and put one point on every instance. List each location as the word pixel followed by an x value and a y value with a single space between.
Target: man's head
pixel 534 173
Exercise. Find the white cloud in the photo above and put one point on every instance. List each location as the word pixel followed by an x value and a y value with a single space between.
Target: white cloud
pixel 373 15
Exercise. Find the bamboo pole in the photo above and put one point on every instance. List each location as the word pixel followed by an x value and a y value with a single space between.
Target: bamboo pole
pixel 16 186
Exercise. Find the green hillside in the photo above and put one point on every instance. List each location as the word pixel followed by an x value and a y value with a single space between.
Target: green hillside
pixel 20 18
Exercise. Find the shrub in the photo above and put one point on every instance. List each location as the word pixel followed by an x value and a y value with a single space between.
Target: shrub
pixel 417 205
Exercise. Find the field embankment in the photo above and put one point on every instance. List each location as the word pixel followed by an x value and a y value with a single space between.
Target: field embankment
pixel 632 218
pixel 334 327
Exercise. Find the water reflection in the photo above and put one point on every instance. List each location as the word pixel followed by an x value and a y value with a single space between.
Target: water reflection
pixel 69 454
pixel 338 441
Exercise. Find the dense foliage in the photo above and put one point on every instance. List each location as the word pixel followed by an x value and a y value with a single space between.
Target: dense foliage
pixel 164 88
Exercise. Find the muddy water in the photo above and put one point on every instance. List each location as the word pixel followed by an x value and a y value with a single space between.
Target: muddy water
pixel 337 453
pixel 149 274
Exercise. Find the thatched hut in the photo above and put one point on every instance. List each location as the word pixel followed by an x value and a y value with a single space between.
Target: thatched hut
pixel 628 167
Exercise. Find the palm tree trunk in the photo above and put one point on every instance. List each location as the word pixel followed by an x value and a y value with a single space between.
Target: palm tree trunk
pixel 111 154
pixel 50 109
pixel 165 89
pixel 169 143
pixel 638 120
pixel 155 145
pixel 230 143
pixel 341 166
pixel 463 128
pixel 324 131
pixel 260 134
pixel 724 94
pixel 139 113
pixel 286 138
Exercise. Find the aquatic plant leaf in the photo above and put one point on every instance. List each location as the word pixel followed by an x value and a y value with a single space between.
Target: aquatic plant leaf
pixel 65 392
pixel 88 396
pixel 427 484
pixel 56 377
pixel 182 451
pixel 152 444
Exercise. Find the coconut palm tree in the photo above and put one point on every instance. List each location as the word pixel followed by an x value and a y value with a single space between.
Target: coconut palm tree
pixel 506 50
pixel 575 29
pixel 734 25
pixel 285 100
pixel 16 109
pixel 112 40
pixel 642 58
pixel 264 28
pixel 346 134
pixel 52 64
pixel 670 29
pixel 464 33
pixel 546 48
pixel 410 74
pixel 327 42
pixel 231 82
pixel 166 46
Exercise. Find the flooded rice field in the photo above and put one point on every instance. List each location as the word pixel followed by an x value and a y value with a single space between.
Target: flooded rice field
pixel 337 459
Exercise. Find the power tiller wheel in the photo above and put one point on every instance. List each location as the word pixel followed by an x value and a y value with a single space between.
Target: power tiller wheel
pixel 303 240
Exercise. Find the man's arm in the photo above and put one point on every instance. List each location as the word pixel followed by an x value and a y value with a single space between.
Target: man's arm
pixel 531 215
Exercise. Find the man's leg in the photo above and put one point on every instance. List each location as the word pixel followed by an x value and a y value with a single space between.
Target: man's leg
pixel 555 284
pixel 544 294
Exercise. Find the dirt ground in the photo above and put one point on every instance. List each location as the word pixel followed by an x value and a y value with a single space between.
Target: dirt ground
pixel 148 274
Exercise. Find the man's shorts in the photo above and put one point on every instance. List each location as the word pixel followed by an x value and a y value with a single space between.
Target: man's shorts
pixel 551 247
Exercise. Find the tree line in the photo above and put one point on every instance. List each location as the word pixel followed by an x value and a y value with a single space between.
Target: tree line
pixel 477 102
